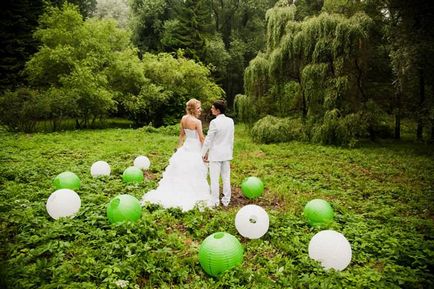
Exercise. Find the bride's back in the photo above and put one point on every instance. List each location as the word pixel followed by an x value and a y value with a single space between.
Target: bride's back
pixel 189 122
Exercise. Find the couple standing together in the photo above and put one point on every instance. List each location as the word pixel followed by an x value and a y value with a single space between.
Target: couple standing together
pixel 184 183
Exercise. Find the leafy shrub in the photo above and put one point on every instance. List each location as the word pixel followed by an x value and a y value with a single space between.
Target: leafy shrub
pixel 337 130
pixel 271 129
pixel 376 122
pixel 167 130
pixel 21 109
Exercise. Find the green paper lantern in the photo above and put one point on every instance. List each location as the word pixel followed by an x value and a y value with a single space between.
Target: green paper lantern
pixel 220 252
pixel 252 187
pixel 133 175
pixel 124 208
pixel 318 213
pixel 67 180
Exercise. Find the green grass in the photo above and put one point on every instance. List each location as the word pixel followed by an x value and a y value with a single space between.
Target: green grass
pixel 382 195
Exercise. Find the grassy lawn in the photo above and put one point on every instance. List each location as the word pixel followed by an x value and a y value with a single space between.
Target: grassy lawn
pixel 382 194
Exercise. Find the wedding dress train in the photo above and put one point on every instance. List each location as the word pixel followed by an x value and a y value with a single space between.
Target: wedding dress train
pixel 184 183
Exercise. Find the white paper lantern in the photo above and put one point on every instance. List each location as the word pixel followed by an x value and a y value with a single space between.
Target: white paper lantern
pixel 252 221
pixel 142 162
pixel 331 249
pixel 100 168
pixel 63 203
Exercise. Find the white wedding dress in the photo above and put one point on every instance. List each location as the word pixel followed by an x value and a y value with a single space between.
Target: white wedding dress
pixel 184 183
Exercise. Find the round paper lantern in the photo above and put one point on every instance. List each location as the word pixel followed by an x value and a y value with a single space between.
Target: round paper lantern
pixel 252 221
pixel 63 203
pixel 100 168
pixel 252 187
pixel 142 162
pixel 124 208
pixel 133 175
pixel 318 212
pixel 331 249
pixel 220 252
pixel 67 180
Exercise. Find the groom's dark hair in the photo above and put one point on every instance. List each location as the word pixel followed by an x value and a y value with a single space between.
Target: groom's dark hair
pixel 220 105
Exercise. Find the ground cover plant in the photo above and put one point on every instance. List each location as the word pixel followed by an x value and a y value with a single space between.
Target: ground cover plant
pixel 382 195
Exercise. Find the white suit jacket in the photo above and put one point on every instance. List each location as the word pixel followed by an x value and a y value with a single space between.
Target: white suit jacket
pixel 219 142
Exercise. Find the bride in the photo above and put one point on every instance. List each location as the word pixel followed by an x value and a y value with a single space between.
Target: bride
pixel 184 184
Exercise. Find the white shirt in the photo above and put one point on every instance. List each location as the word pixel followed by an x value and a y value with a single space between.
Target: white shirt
pixel 219 142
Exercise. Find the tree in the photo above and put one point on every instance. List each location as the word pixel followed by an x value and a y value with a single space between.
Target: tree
pixel 319 66
pixel 176 79
pixel 18 23
pixel 241 26
pixel 19 19
pixel 74 61
pixel 224 34
pixel 147 22
pixel 411 35
pixel 189 30
pixel 306 8
pixel 115 9
pixel 85 7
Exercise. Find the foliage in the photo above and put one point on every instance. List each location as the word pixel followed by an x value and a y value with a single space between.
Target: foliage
pixel 85 7
pixel 314 69
pixel 189 29
pixel 306 8
pixel 271 129
pixel 21 109
pixel 179 79
pixel 115 9
pixel 243 107
pixel 147 21
pixel 81 73
pixel 19 19
pixel 165 130
pixel 74 60
pixel 222 34
pixel 409 30
pixel 381 195
pixel 18 23
pixel 241 26
pixel 338 130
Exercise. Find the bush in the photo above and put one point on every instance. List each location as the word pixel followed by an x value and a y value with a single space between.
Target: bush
pixel 375 118
pixel 338 130
pixel 21 109
pixel 271 129
pixel 167 130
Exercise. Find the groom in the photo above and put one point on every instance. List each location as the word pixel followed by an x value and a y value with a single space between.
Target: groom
pixel 218 150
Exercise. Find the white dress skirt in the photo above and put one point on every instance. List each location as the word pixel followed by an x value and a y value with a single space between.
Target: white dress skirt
pixel 184 183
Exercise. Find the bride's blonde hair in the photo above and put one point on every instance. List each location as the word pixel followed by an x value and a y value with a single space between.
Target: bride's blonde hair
pixel 191 106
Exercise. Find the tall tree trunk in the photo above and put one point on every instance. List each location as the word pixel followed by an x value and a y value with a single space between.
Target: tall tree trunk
pixel 432 116
pixel 432 131
pixel 421 110
pixel 77 124
pixel 303 97
pixel 398 113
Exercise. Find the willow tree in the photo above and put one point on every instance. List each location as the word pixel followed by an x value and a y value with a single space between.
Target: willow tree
pixel 316 66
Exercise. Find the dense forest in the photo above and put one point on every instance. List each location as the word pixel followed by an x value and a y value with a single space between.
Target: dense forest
pixel 333 71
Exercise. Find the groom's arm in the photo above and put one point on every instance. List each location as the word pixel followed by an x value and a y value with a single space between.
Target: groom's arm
pixel 212 131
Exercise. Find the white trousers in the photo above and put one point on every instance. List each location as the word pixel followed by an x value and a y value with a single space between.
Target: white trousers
pixel 223 169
